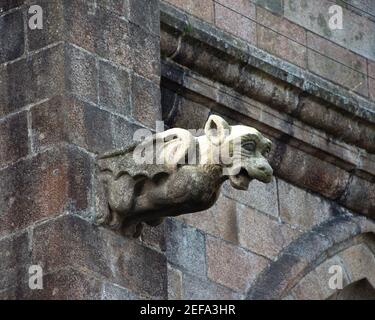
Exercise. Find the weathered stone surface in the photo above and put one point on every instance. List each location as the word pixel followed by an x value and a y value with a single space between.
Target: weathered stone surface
pixel 260 196
pixel 15 260
pixel 323 275
pixel 337 72
pixel 114 88
pixel 6 5
pixel 282 26
pixel 360 196
pixel 30 80
pixel 371 84
pixel 371 68
pixel 322 116
pixel 41 187
pixel 360 263
pixel 337 53
pixel 301 208
pixel 281 46
pixel 342 226
pixel 201 58
pixel 314 15
pixel 223 259
pixel 186 247
pixel 110 41
pixel 315 285
pixel 145 53
pixel 69 241
pixel 291 266
pixel 113 257
pixel 141 270
pixel 174 283
pixel 309 172
pixel 235 23
pixel 119 7
pixel 308 288
pixel 275 6
pixel 146 106
pixel 53 24
pixel 14 138
pixel 201 9
pixel 80 20
pixel 145 13
pixel 309 246
pixel 273 280
pixel 365 6
pixel 62 119
pixel 220 220
pixel 195 288
pixel 261 234
pixel 155 236
pixel 122 132
pixel 243 7
pixel 81 72
pixel 12 37
pixel 68 284
pixel 115 292
pixel 188 115
pixel 48 122
pixel 114 42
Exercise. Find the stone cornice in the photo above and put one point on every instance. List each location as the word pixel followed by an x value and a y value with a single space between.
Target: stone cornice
pixel 272 121
pixel 304 112
pixel 213 53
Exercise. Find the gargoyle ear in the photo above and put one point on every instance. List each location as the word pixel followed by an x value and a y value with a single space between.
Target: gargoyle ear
pixel 217 129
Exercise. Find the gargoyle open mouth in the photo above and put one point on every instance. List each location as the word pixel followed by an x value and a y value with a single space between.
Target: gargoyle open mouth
pixel 241 180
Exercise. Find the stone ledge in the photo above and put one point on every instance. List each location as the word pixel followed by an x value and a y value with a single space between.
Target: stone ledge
pixel 307 117
pixel 326 166
pixel 273 122
pixel 203 48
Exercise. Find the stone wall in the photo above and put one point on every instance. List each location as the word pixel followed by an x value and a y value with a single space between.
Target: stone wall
pixel 298 32
pixel 78 87
pixel 84 83
pixel 277 240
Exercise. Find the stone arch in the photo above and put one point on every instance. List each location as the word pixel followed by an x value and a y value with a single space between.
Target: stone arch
pixel 357 263
pixel 359 290
pixel 341 237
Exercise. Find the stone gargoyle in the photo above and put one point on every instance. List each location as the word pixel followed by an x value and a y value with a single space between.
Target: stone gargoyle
pixel 174 172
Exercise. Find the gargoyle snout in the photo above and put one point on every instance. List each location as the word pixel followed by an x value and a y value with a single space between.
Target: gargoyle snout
pixel 265 171
pixel 259 169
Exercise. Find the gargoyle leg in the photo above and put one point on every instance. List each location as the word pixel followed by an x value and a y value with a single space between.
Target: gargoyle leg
pixel 121 197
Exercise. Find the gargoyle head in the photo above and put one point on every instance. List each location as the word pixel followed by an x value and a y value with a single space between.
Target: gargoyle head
pixel 243 151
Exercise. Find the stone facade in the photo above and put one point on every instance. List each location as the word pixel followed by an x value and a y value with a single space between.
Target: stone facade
pixel 99 70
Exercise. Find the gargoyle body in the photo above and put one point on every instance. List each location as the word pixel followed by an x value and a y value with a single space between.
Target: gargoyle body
pixel 183 174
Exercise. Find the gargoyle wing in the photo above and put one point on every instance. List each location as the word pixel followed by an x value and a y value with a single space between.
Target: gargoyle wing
pixel 161 152
pixel 170 148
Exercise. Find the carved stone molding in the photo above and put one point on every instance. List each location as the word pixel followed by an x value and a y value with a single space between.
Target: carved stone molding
pixel 326 131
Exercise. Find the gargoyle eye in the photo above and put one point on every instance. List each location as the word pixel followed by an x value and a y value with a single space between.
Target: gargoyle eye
pixel 249 146
pixel 266 151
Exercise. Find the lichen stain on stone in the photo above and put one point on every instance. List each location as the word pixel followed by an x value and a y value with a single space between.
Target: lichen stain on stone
pixel 304 5
pixel 323 24
pixel 359 36
pixel 292 6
